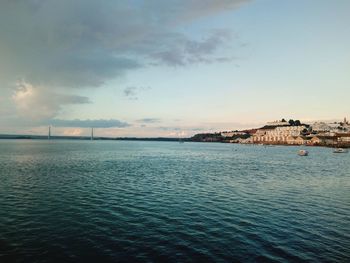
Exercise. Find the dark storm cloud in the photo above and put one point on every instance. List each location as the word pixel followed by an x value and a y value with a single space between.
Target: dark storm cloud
pixel 112 123
pixel 85 43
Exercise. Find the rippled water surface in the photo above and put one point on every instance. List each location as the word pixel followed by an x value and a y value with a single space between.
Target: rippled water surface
pixel 165 201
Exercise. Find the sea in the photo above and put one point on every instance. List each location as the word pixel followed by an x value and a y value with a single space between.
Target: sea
pixel 134 201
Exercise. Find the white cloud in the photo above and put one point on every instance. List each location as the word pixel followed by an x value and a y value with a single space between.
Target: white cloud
pixel 177 134
pixel 73 132
pixel 38 103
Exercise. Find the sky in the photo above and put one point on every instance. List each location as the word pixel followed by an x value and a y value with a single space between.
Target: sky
pixel 170 68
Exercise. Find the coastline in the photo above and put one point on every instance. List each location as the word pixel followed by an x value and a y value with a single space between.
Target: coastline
pixel 158 139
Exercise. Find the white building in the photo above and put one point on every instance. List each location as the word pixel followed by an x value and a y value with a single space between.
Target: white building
pixel 282 134
pixel 331 128
pixel 344 138
pixel 321 127
pixel 232 133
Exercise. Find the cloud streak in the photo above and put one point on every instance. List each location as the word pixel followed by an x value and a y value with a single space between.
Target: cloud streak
pixel 132 92
pixel 77 123
pixel 149 120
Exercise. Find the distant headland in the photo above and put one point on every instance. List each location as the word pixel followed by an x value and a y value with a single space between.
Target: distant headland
pixel 282 132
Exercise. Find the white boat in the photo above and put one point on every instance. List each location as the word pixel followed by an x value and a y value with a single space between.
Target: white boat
pixel 340 150
pixel 303 153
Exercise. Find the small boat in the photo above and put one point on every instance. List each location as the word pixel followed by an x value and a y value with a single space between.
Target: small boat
pixel 303 153
pixel 340 150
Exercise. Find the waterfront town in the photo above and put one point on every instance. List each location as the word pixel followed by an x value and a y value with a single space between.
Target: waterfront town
pixel 283 132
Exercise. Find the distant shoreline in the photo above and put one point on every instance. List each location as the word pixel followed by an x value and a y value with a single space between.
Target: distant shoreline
pixel 87 138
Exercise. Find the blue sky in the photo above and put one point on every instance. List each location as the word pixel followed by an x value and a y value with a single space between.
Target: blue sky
pixel 150 68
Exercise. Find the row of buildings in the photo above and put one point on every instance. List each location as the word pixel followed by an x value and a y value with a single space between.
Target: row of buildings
pixel 283 132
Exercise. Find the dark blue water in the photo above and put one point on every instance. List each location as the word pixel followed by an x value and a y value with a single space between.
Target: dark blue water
pixel 69 201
